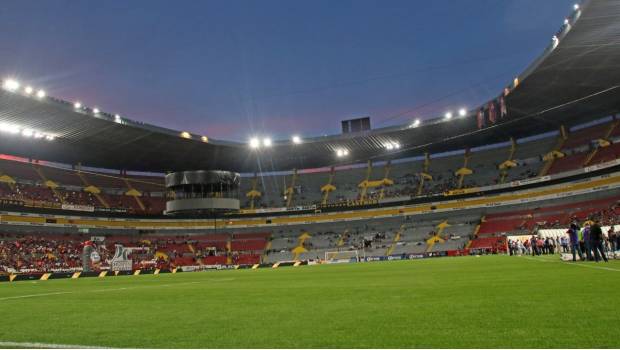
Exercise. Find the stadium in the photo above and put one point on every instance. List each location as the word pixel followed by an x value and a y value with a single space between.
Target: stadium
pixel 448 232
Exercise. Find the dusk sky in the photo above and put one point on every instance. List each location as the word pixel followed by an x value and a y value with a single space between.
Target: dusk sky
pixel 233 69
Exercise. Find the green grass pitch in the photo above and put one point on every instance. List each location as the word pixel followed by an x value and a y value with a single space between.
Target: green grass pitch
pixel 490 301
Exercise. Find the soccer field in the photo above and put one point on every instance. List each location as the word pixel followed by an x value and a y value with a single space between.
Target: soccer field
pixel 490 301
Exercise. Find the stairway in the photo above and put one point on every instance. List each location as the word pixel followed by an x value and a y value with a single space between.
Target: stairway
pixel 49 184
pixel 135 194
pixel 96 192
pixel 395 240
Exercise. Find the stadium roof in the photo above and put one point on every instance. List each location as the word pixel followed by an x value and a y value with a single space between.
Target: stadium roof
pixel 576 79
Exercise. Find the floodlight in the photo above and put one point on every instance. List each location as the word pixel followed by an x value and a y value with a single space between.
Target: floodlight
pixel 10 84
pixel 254 143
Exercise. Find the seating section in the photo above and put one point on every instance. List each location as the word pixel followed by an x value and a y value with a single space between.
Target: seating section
pixel 47 185
pixel 370 238
pixel 528 221
pixel 31 188
pixel 45 252
pixel 580 144
pixel 570 162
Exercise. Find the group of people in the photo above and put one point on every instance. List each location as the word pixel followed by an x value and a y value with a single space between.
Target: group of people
pixel 39 254
pixel 536 245
pixel 589 243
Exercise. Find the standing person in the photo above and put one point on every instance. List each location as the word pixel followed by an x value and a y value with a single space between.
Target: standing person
pixel 611 236
pixel 564 242
pixel 533 243
pixel 596 241
pixel 540 246
pixel 551 245
pixel 526 246
pixel 573 235
pixel 585 236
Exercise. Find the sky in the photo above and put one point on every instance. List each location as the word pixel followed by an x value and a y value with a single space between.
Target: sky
pixel 235 69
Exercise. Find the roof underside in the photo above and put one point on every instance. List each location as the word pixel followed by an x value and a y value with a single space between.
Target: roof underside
pixel 576 82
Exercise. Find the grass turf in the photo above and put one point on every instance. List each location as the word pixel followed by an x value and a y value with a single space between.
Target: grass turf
pixel 491 301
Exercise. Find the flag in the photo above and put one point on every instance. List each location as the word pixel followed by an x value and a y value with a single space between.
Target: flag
pixel 502 107
pixel 492 115
pixel 480 118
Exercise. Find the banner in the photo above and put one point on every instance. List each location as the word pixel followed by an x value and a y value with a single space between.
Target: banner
pixel 121 265
pixel 77 207
pixel 480 118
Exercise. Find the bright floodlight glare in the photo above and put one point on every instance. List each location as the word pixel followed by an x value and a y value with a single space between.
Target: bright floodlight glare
pixel 296 139
pixel 40 93
pixel 38 135
pixel 576 7
pixel 448 115
pixel 267 142
pixel 254 143
pixel 389 146
pixel 10 84
pixel 345 152
pixel 77 105
pixel 49 138
pixel 96 110
pixel 10 128
pixel 28 90
pixel 462 112
pixel 565 21
pixel 339 153
pixel 396 145
pixel 27 133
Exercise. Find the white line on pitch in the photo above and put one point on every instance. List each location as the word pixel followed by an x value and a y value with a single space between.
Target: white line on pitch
pixel 12 344
pixel 582 264
pixel 114 289
pixel 34 295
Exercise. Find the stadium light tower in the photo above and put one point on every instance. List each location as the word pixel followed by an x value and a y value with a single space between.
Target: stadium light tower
pixel 28 90
pixel 296 139
pixel 77 105
pixel 267 142
pixel 448 115
pixel 462 112
pixel 40 93
pixel 96 110
pixel 576 7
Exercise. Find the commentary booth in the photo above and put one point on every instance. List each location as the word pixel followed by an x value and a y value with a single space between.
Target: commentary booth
pixel 202 192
